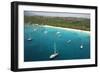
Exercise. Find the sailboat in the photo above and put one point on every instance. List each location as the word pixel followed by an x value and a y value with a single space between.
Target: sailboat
pixel 29 39
pixel 81 46
pixel 55 54
pixel 68 41
pixel 45 32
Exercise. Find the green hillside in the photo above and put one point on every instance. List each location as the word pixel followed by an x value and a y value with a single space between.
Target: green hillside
pixel 66 22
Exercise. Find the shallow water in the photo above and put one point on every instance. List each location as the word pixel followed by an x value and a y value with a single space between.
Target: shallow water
pixel 41 45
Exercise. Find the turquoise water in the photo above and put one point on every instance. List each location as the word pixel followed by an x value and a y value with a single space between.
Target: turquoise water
pixel 41 45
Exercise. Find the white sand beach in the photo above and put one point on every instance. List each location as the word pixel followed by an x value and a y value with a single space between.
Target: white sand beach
pixel 68 29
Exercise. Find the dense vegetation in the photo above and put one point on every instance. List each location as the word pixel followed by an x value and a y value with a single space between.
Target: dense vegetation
pixel 66 22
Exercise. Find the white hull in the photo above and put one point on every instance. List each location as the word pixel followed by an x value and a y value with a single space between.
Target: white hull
pixel 29 39
pixel 53 55
pixel 81 46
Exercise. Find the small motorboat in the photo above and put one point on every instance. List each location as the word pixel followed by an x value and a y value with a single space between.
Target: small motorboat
pixel 81 46
pixel 29 39
pixel 55 54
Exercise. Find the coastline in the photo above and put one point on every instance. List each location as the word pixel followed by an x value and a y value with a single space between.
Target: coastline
pixel 69 29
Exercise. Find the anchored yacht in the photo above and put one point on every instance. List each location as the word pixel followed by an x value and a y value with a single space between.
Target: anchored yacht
pixel 68 41
pixel 81 46
pixel 55 54
pixel 29 39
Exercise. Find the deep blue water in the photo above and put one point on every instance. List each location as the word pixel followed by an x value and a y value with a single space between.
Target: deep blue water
pixel 42 44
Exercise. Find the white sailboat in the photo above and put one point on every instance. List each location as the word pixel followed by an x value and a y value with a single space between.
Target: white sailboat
pixel 55 54
pixel 81 46
pixel 45 32
pixel 29 39
pixel 68 41
pixel 57 33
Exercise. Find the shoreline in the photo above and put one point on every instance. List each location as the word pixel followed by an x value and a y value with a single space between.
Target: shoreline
pixel 70 29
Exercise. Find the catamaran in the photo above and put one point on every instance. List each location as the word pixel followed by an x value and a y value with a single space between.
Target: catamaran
pixel 55 54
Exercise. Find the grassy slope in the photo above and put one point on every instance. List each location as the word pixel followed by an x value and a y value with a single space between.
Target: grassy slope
pixel 66 22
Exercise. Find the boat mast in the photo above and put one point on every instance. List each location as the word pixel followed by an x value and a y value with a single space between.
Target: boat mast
pixel 54 47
